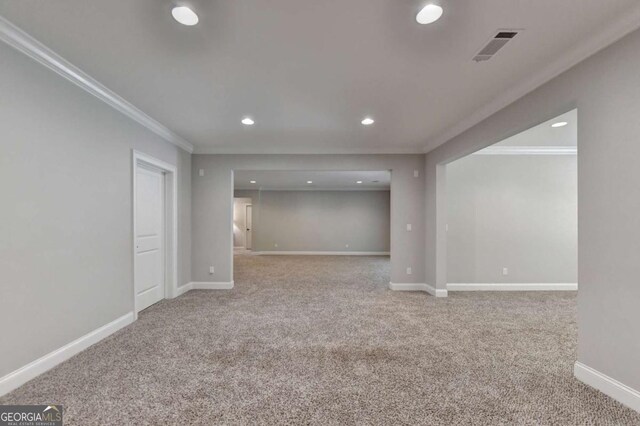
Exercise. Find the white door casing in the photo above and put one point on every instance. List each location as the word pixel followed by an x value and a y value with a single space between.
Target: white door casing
pixel 145 173
pixel 248 240
pixel 150 237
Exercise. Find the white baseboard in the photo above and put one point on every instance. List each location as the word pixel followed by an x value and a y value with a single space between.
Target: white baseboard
pixel 512 286
pixel 204 285
pixel 323 253
pixel 212 285
pixel 183 289
pixel 30 371
pixel 605 384
pixel 418 287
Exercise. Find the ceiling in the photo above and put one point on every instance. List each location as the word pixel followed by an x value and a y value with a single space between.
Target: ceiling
pixel 545 135
pixel 322 180
pixel 308 71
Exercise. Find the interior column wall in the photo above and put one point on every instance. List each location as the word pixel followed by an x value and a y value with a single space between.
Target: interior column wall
pixel 606 90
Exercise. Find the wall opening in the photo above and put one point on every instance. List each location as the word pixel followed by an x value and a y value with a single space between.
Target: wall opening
pixel 511 209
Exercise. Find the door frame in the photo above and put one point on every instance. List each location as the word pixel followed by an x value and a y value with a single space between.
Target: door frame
pixel 246 207
pixel 170 223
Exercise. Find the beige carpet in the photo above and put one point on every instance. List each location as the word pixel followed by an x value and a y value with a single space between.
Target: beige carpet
pixel 320 340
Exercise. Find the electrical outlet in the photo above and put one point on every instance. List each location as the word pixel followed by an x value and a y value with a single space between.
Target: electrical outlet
pixel 201 172
pixel 408 227
pixel 416 173
pixel 212 270
pixel 275 245
pixel 346 245
pixel 505 271
pixel 409 272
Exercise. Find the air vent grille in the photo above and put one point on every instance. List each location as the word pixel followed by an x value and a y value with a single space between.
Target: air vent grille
pixel 496 43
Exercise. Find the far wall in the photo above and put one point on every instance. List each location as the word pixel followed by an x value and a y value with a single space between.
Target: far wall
pixel 318 220
pixel 513 211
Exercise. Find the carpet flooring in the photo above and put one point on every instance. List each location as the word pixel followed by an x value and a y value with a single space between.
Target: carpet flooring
pixel 320 340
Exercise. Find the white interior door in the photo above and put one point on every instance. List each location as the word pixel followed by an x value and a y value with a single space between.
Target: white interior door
pixel 248 221
pixel 149 238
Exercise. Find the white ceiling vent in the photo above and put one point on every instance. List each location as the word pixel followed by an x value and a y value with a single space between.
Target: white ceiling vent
pixel 496 43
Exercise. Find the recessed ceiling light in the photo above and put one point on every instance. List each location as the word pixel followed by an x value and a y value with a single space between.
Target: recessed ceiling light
pixel 252 181
pixel 247 121
pixel 429 14
pixel 367 121
pixel 559 124
pixel 309 181
pixel 359 181
pixel 184 15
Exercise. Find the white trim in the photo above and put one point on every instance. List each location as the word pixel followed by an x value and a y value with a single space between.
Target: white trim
pixel 30 371
pixel 171 222
pixel 202 285
pixel 512 286
pixel 183 289
pixel 212 285
pixel 246 208
pixel 605 384
pixel 528 150
pixel 24 43
pixel 628 23
pixel 418 287
pixel 323 253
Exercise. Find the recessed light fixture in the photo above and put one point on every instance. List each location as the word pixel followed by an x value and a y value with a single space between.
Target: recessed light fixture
pixel 359 181
pixel 429 14
pixel 247 121
pixel 184 15
pixel 309 181
pixel 559 124
pixel 252 181
pixel 367 121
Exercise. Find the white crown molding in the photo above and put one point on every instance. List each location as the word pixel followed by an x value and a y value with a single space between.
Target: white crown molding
pixel 599 41
pixel 528 150
pixel 512 286
pixel 23 42
pixel 418 287
pixel 607 385
pixel 30 371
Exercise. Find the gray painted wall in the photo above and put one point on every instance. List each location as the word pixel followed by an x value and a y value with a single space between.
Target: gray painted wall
pixel 606 90
pixel 513 211
pixel 321 221
pixel 66 245
pixel 213 193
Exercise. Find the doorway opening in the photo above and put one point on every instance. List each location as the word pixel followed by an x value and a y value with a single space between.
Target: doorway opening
pixel 312 213
pixel 512 216
pixel 155 231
